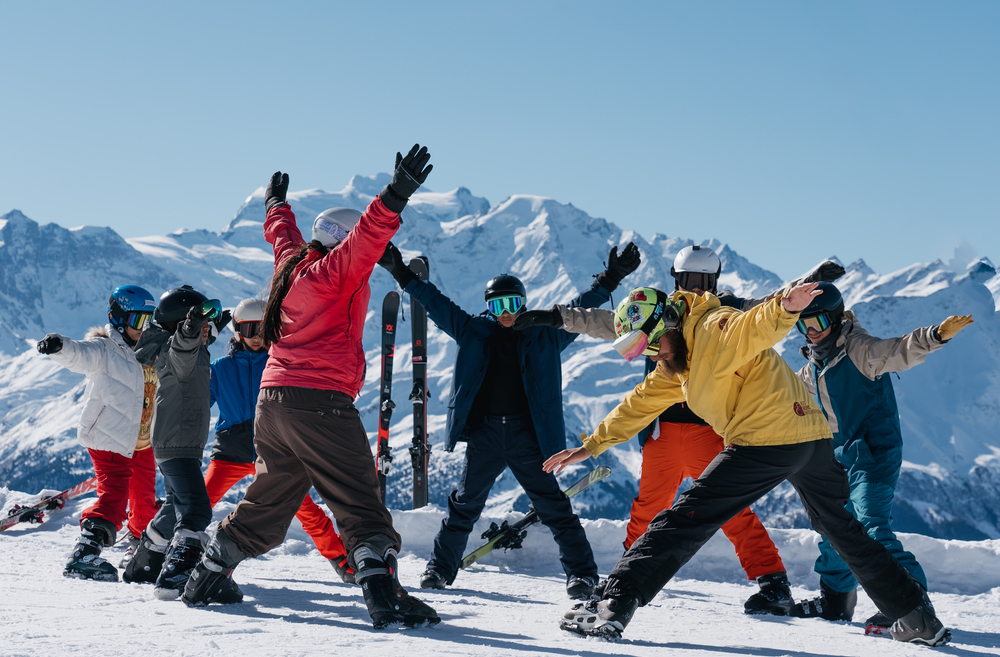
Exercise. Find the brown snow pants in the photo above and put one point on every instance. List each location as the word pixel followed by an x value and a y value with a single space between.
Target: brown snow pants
pixel 305 438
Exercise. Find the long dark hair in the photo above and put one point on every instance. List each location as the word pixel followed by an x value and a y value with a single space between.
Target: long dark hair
pixel 271 326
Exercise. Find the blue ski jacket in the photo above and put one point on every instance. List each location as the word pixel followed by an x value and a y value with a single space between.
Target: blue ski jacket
pixel 234 386
pixel 540 350
pixel 855 392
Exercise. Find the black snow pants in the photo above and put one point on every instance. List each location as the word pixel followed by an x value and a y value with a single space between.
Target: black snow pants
pixel 741 475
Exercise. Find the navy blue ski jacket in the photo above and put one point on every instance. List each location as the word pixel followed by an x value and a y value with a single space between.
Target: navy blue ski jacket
pixel 540 349
pixel 234 386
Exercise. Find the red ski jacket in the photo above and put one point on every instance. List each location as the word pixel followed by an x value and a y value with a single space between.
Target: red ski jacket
pixel 323 314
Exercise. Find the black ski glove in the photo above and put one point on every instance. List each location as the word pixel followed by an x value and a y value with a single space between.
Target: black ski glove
pixel 392 261
pixel 224 318
pixel 410 173
pixel 276 191
pixel 50 344
pixel 619 266
pixel 828 271
pixel 529 318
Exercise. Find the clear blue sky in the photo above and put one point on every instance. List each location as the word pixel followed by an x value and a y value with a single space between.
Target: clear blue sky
pixel 791 130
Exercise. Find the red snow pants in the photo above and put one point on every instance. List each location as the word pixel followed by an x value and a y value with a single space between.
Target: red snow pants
pixel 222 475
pixel 685 450
pixel 124 482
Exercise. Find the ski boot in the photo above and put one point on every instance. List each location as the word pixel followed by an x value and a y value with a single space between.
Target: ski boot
pixel 774 597
pixel 388 603
pixel 432 579
pixel 921 626
pixel 183 553
pixel 581 588
pixel 212 579
pixel 147 559
pixel 605 618
pixel 830 605
pixel 343 569
pixel 86 561
pixel 133 543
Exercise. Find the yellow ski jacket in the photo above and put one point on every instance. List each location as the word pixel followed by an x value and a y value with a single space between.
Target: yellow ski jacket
pixel 736 382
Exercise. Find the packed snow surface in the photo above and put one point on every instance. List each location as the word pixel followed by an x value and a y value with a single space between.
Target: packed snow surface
pixel 508 604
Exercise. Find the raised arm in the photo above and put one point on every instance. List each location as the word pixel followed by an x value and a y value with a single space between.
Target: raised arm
pixel 874 356
pixel 82 357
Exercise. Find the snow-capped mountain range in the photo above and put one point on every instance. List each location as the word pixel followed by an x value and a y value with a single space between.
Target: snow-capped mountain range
pixel 57 280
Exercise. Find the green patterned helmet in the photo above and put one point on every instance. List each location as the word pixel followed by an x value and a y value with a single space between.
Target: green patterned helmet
pixel 641 318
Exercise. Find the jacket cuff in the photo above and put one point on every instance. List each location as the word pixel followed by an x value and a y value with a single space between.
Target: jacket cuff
pixel 592 446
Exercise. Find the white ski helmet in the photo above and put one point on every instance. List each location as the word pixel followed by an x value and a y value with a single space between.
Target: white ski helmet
pixel 248 310
pixel 697 260
pixel 333 225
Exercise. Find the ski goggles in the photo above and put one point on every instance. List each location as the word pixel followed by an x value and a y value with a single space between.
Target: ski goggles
pixel 508 303
pixel 137 320
pixel 211 308
pixel 818 323
pixel 634 344
pixel 248 329
pixel 689 280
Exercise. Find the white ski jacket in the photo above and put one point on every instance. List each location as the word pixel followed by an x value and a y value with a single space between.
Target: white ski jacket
pixel 113 399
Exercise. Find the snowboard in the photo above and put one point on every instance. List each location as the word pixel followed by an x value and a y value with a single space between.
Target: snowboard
pixel 35 513
pixel 509 537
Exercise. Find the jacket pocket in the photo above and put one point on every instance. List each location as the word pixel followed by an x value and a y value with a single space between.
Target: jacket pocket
pixel 96 419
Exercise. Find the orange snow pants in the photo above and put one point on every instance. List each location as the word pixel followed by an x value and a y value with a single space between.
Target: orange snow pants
pixel 222 475
pixel 685 450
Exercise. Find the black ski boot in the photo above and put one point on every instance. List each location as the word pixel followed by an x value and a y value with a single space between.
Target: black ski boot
pixel 432 579
pixel 86 561
pixel 343 569
pixel 388 603
pixel 183 554
pixel 581 588
pixel 921 626
pixel 147 559
pixel 605 618
pixel 212 579
pixel 774 597
pixel 830 605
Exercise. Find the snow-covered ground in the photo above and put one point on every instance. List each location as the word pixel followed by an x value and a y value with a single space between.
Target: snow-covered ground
pixel 509 604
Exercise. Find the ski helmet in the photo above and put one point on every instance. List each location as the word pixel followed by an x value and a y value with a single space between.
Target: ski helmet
pixel 642 317
pixel 696 266
pixel 175 304
pixel 504 284
pixel 824 311
pixel 251 313
pixel 332 226
pixel 130 305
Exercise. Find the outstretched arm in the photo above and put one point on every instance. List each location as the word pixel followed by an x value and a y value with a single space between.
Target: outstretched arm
pixel 873 356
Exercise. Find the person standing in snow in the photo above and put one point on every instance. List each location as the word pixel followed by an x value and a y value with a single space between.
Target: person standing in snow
pixel 721 361
pixel 847 372
pixel 506 403
pixel 680 444
pixel 176 342
pixel 114 427
pixel 234 386
pixel 307 432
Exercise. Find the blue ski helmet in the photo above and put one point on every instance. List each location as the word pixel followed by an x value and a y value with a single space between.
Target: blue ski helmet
pixel 829 303
pixel 130 305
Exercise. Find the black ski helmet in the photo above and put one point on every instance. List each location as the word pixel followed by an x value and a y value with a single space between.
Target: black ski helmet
pixel 175 304
pixel 830 302
pixel 504 284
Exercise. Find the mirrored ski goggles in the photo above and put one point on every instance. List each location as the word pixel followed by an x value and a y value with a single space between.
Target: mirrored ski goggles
pixel 689 280
pixel 818 323
pixel 248 329
pixel 509 303
pixel 634 344
pixel 138 320
pixel 211 308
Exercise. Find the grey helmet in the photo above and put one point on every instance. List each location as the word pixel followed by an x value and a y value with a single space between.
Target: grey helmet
pixel 332 226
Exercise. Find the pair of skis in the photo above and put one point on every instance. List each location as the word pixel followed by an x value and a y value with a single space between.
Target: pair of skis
pixel 419 450
pixel 35 513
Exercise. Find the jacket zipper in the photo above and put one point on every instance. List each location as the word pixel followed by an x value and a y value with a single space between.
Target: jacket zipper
pixel 97 419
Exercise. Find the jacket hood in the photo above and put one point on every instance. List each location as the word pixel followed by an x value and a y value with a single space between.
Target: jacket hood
pixel 697 307
pixel 100 332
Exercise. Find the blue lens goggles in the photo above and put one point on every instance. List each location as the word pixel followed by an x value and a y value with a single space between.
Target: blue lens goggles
pixel 818 323
pixel 211 308
pixel 509 303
